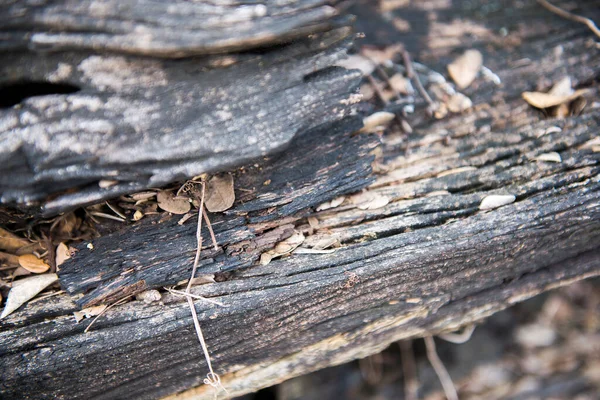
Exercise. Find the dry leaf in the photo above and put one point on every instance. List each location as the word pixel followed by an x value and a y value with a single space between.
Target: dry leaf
pixel 546 100
pixel 11 242
pixel 382 56
pixel 185 218
pixel 369 200
pixel 561 93
pixel 25 289
pixel 495 201
pixel 63 253
pixel 89 312
pixel 168 202
pixel 459 103
pixel 401 84
pixel 9 260
pixel 137 215
pixel 282 248
pixel 33 264
pixel 465 68
pixel 219 193
pixel 20 272
pixel 140 196
pixel 356 61
pixel 331 204
pixel 378 119
pixel 66 226
pixel 149 296
pixel 550 157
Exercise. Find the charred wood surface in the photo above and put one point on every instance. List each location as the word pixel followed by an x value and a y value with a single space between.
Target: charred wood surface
pixel 429 261
pixel 146 122
pixel 164 29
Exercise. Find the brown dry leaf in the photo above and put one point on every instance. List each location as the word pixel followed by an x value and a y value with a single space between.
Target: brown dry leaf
pixel 20 272
pixel 11 242
pixel 25 289
pixel 63 253
pixel 168 202
pixel 9 260
pixel 219 193
pixel 33 264
pixel 89 312
pixel 465 68
pixel 282 248
pixel 561 93
pixel 66 226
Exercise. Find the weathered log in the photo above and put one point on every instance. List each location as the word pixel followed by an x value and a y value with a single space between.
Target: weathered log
pixel 262 216
pixel 429 261
pixel 145 122
pixel 165 29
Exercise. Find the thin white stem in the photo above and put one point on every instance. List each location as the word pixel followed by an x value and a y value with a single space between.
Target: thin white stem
pixel 440 370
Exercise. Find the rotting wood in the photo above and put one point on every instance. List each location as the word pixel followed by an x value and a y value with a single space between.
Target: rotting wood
pixel 165 29
pixel 427 262
pixel 147 122
pixel 299 181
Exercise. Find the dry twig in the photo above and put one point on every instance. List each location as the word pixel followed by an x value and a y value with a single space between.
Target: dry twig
pixel 212 378
pixel 440 370
pixel 116 303
pixel 459 338
pixel 410 73
pixel 409 370
pixel 570 16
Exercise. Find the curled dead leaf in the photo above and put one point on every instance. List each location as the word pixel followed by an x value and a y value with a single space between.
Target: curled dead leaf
pixel 168 202
pixel 9 260
pixel 89 312
pixel 495 201
pixel 63 253
pixel 33 264
pixel 546 100
pixel 220 195
pixel 25 289
pixel 282 248
pixel 465 68
pixel 561 94
pixel 11 242
pixel 137 215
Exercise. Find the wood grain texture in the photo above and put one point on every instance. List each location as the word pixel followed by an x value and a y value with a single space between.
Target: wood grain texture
pixel 148 122
pixel 427 262
pixel 164 29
